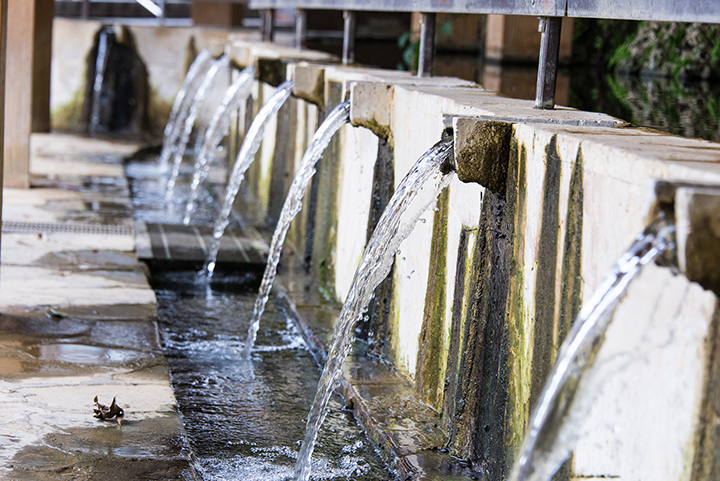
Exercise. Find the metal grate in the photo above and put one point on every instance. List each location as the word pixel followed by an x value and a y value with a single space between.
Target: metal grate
pixel 14 227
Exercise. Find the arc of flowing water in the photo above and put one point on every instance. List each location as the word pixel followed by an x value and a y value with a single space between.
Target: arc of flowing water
pixel 375 264
pixel 181 105
pixel 217 129
pixel 189 121
pixel 103 51
pixel 558 418
pixel 292 206
pixel 249 148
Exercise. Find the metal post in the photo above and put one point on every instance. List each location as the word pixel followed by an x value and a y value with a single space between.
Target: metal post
pixel 348 56
pixel 427 44
pixel 300 28
pixel 85 9
pixel 267 25
pixel 547 66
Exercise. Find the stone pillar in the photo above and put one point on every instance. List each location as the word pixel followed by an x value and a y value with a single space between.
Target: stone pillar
pixel 42 55
pixel 18 92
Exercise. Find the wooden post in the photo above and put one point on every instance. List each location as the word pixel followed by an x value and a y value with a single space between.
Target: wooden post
pixel 18 93
pixel 3 50
pixel 42 55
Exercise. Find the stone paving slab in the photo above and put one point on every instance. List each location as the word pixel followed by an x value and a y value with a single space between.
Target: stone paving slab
pixel 78 320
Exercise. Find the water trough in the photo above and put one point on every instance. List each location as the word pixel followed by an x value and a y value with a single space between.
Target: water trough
pixel 485 288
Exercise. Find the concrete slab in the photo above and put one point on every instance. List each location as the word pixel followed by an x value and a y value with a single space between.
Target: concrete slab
pixel 78 321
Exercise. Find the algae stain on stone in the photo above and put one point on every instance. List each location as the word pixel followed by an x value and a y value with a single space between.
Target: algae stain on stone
pixel 571 287
pixel 432 352
pixel 519 374
pixel 326 220
pixel 546 277
pixel 69 116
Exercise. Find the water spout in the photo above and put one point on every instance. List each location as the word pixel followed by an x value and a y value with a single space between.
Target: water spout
pixel 217 129
pixel 187 123
pixel 425 179
pixel 181 105
pixel 292 206
pixel 103 50
pixel 249 148
pixel 562 408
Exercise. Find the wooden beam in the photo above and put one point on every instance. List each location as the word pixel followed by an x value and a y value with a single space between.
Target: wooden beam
pixel 42 56
pixel 3 50
pixel 18 93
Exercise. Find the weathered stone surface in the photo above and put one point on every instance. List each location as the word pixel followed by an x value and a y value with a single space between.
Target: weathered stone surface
pixel 78 320
pixel 482 151
pixel 697 213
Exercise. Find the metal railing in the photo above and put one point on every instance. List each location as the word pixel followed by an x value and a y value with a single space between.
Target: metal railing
pixel 550 12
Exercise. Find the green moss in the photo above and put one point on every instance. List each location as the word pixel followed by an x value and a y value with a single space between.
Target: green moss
pixel 516 409
pixel 69 116
pixel 382 131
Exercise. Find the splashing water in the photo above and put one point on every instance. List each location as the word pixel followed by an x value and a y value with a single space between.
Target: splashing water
pixel 245 157
pixel 217 129
pixel 292 206
pixel 396 223
pixel 187 125
pixel 181 104
pixel 568 394
pixel 100 65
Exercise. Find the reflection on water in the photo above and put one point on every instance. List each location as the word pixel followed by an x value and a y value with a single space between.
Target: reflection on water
pixel 690 109
pixel 245 419
pixel 83 354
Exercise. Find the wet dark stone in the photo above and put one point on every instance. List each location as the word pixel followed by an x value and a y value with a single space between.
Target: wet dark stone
pixel 124 92
pixel 148 449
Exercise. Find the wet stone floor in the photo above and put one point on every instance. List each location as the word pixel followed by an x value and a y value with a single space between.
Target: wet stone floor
pixel 245 420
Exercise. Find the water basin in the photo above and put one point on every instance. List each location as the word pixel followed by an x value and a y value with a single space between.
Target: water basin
pixel 245 420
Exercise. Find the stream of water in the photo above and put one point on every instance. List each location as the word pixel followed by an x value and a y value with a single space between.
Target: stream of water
pixel 292 206
pixel 417 192
pixel 558 419
pixel 186 124
pixel 217 129
pixel 101 59
pixel 245 157
pixel 181 105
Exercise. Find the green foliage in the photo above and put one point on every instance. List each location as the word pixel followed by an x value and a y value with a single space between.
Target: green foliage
pixel 410 46
pixel 409 43
pixel 673 49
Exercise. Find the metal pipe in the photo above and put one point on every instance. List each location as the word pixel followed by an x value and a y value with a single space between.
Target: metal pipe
pixel 300 28
pixel 267 24
pixel 548 63
pixel 348 55
pixel 85 9
pixel 427 44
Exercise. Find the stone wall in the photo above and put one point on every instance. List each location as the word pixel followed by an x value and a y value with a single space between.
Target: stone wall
pixel 485 289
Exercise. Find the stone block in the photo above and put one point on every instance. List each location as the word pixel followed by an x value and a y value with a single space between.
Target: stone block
pixel 482 152
pixel 697 214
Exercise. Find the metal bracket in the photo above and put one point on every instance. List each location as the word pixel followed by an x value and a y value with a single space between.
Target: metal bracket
pixel 348 55
pixel 548 63
pixel 427 44
pixel 267 24
pixel 300 28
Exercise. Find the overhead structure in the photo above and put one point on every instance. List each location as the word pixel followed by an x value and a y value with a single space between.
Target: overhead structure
pixel 549 11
